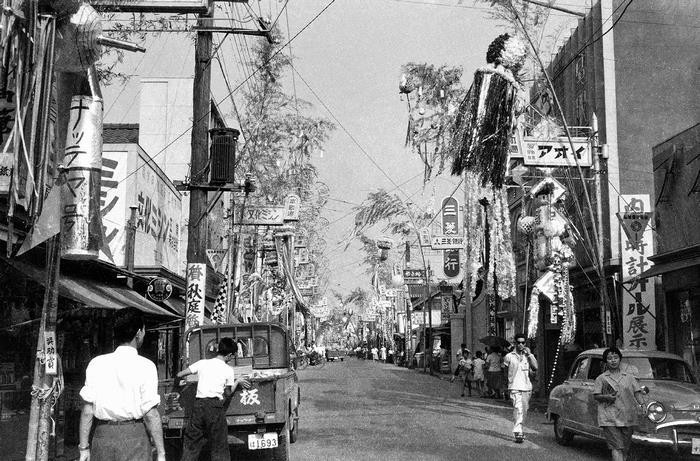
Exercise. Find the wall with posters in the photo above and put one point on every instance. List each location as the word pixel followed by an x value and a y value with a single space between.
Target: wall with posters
pixel 131 178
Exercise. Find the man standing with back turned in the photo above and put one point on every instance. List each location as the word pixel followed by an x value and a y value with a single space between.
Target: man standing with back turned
pixel 519 363
pixel 121 398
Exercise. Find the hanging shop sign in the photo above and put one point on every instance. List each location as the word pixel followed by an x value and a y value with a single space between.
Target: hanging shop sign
pixel 634 223
pixel 447 242
pixel 196 285
pixel 638 301
pixel 556 152
pixel 50 351
pixel 300 241
pixel 153 6
pixel 414 276
pixel 390 293
pixel 264 215
pixel 450 228
pixel 159 289
pixel 217 258
pixel 292 207
pixel 424 237
pixel 301 256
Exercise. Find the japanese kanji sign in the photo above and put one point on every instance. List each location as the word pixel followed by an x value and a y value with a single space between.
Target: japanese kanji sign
pixel 638 303
pixel 292 207
pixel 196 290
pixel 556 152
pixel 634 223
pixel 450 228
pixel 264 215
pixel 50 352
pixel 414 276
pixel 447 242
pixel 217 258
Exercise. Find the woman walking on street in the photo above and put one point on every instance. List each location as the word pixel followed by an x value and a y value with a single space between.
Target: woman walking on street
pixel 494 373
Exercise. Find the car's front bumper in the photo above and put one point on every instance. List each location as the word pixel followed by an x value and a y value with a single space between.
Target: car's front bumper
pixel 676 435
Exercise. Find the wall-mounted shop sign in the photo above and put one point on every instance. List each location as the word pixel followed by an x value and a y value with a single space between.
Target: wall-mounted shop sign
pixel 414 276
pixel 556 152
pixel 264 215
pixel 450 228
pixel 447 242
pixel 159 289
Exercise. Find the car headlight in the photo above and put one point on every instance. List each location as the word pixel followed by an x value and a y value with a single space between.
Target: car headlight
pixel 656 412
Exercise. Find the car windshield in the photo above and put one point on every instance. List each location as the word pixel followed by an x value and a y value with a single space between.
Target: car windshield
pixel 661 369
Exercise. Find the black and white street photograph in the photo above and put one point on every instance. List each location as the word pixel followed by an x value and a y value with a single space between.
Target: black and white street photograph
pixel 350 230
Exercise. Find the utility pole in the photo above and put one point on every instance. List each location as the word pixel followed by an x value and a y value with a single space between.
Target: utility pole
pixel 130 251
pixel 601 240
pixel 201 100
pixel 466 281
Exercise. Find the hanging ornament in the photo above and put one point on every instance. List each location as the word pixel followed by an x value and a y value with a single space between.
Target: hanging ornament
pixel 487 115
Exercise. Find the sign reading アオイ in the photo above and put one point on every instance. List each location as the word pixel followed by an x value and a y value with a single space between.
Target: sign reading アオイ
pixel 638 303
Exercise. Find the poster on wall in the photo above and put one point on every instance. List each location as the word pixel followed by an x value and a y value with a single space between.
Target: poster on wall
pixel 638 302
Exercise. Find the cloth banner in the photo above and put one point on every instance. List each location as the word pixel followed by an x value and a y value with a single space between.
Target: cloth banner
pixel 220 312
pixel 285 252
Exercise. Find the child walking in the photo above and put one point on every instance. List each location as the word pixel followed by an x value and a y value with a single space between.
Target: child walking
pixel 479 373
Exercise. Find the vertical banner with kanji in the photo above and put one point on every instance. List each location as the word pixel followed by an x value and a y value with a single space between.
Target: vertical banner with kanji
pixel 196 291
pixel 450 226
pixel 638 303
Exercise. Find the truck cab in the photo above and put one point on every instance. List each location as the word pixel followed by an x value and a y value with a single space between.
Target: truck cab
pixel 264 417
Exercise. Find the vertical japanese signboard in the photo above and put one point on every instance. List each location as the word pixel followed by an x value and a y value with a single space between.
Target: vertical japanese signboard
pixel 450 226
pixel 638 304
pixel 196 290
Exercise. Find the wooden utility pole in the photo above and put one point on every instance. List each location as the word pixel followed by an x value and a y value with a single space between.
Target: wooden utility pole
pixel 201 101
pixel 604 324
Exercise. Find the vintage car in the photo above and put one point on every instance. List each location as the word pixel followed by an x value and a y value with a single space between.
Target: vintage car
pixel 671 422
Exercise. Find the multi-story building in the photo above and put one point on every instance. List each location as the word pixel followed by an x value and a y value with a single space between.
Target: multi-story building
pixel 634 66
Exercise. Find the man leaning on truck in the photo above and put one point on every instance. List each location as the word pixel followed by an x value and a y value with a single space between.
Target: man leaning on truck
pixel 215 386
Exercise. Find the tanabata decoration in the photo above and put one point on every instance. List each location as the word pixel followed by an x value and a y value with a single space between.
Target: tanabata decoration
pixel 479 147
pixel 553 240
pixel 487 115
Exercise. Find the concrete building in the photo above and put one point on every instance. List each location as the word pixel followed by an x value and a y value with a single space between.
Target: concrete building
pixel 635 66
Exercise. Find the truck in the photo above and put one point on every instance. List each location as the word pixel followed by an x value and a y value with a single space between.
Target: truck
pixel 264 417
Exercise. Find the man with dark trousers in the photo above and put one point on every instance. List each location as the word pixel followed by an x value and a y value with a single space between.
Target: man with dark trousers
pixel 121 398
pixel 215 386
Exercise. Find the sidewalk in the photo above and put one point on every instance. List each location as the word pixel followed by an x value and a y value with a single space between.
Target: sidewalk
pixel 537 404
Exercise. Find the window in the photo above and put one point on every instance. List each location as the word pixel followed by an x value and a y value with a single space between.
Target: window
pixel 596 367
pixel 580 371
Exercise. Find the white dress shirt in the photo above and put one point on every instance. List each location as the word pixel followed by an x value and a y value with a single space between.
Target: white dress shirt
pixel 212 376
pixel 121 385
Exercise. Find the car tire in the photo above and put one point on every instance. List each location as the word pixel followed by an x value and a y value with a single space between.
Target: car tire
pixel 563 436
pixel 281 452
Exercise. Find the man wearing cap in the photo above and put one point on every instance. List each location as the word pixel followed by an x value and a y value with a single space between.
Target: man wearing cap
pixel 121 399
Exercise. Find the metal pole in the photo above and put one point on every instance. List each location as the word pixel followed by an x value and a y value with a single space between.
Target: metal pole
pixel 130 253
pixel 466 280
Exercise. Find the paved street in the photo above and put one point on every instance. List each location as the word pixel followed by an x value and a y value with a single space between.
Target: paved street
pixel 358 409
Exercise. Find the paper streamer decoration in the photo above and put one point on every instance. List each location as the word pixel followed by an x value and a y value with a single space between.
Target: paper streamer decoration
pixel 81 223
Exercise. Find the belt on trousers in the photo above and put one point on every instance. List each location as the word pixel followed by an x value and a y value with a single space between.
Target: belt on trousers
pixel 119 423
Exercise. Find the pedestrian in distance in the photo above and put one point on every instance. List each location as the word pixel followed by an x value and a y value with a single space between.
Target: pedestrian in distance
pixel 382 354
pixel 478 365
pixel 618 394
pixel 215 386
pixel 375 353
pixel 494 373
pixel 520 363
pixel 460 355
pixel 121 399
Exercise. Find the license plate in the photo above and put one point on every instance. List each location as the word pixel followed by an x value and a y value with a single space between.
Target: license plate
pixel 262 441
pixel 696 446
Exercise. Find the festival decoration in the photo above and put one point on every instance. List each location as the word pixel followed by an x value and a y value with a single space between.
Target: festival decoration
pixel 553 255
pixel 487 114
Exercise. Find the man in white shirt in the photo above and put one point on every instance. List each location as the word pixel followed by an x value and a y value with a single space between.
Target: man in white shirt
pixel 121 395
pixel 215 386
pixel 519 363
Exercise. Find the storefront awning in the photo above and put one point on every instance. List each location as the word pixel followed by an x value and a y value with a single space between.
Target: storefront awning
pixel 93 293
pixel 669 266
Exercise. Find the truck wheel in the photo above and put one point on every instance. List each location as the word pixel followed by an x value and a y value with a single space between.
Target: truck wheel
pixel 562 436
pixel 281 452
pixel 294 432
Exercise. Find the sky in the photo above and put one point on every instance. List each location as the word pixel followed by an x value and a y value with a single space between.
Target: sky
pixel 348 60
